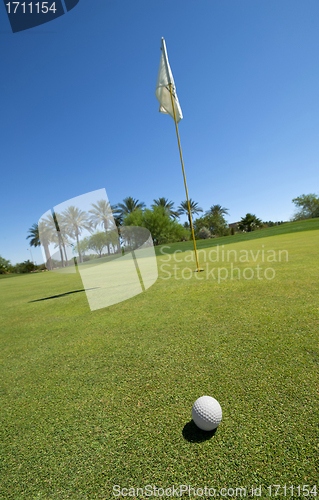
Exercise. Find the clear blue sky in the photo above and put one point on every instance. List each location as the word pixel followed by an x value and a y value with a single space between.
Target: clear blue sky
pixel 79 113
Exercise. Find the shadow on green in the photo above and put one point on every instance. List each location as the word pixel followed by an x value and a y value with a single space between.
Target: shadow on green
pixel 61 295
pixel 194 434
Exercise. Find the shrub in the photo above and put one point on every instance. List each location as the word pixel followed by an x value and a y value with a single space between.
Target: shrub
pixel 24 267
pixel 5 265
pixel 204 233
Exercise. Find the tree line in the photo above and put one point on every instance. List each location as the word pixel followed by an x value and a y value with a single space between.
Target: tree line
pixel 65 231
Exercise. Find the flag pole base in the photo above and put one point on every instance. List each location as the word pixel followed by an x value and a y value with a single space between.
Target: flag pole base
pixel 199 270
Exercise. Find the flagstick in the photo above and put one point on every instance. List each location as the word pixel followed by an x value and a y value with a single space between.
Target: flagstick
pixel 189 208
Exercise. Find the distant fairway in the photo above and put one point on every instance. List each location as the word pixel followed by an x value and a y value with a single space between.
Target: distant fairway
pixel 95 399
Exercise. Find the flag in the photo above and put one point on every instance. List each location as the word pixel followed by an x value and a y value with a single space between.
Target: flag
pixel 162 92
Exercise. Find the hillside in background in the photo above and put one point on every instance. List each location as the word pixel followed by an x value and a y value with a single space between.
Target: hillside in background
pixel 287 227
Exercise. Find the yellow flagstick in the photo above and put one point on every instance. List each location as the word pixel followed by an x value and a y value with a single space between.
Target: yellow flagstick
pixel 180 152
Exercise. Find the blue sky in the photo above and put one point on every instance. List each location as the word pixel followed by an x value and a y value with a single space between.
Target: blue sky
pixel 79 113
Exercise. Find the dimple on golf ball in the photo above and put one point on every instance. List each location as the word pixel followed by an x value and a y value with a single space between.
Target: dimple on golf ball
pixel 207 413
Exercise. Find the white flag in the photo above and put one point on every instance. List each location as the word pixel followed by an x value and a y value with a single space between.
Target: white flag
pixel 162 92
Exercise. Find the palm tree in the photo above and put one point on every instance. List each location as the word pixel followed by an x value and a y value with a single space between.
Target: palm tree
pixel 117 216
pixel 74 221
pixel 249 223
pixel 34 234
pixel 217 210
pixel 62 235
pixel 194 208
pixel 55 235
pixel 167 205
pixel 101 214
pixel 129 205
pixel 39 234
pixel 45 237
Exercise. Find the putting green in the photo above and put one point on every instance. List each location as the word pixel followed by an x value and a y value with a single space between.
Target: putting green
pixel 90 400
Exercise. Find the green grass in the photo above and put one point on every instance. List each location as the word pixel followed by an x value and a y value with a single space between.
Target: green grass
pixel 9 275
pixel 93 399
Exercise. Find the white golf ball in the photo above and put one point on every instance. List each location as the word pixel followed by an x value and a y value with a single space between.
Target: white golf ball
pixel 207 413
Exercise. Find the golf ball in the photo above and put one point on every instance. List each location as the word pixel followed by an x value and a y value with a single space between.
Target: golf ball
pixel 207 413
